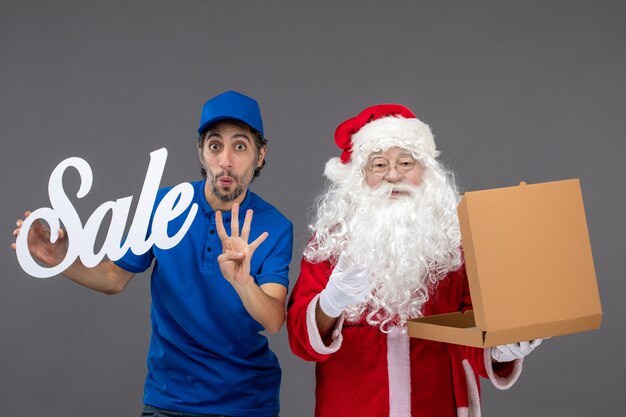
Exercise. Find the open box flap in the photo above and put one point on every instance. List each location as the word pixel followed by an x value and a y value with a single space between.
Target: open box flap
pixel 460 328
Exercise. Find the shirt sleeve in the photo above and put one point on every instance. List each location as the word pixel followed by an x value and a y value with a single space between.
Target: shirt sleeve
pixel 139 263
pixel 304 338
pixel 135 263
pixel 275 267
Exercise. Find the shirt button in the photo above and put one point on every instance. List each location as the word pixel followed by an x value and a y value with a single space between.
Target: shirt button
pixel 208 249
pixel 212 232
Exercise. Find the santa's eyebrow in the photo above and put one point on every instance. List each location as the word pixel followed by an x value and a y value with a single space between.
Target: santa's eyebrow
pixel 406 154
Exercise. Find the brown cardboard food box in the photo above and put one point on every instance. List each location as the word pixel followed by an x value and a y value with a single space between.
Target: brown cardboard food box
pixel 529 265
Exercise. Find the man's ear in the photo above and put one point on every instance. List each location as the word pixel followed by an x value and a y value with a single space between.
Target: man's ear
pixel 261 156
pixel 200 143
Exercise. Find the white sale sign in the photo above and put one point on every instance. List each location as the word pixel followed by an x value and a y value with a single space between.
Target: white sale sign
pixel 81 239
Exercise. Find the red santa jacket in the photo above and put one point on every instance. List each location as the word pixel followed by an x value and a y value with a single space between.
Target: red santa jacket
pixel 364 372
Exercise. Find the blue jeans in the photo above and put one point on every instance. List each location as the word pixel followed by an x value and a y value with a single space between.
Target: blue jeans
pixel 150 411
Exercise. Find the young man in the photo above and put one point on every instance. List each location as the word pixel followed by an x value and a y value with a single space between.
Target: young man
pixel 214 292
pixel 386 248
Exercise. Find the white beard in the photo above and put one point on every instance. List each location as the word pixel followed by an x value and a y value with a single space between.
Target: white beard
pixel 408 244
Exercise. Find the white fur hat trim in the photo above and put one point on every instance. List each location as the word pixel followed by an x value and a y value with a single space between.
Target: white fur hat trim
pixel 380 135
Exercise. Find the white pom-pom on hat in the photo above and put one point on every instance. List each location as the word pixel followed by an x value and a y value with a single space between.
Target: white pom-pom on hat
pixel 335 170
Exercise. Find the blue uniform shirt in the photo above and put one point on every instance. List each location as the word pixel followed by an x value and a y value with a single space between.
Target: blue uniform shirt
pixel 206 354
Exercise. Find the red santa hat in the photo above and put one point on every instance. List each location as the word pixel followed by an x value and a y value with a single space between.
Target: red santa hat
pixel 378 128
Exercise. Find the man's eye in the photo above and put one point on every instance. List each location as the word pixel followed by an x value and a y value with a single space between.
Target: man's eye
pixel 240 147
pixel 406 164
pixel 214 146
pixel 379 165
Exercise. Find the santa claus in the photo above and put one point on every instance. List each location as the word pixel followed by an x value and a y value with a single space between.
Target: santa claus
pixel 386 247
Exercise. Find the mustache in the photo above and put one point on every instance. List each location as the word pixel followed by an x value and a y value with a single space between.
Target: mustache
pixel 384 190
pixel 226 174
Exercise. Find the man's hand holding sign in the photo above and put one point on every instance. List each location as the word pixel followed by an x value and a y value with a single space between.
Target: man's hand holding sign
pixel 105 277
pixel 40 242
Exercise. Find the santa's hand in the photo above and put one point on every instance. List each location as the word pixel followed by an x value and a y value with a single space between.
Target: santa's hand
pixel 510 352
pixel 346 287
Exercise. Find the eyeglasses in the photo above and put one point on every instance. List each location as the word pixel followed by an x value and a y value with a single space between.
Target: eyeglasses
pixel 380 166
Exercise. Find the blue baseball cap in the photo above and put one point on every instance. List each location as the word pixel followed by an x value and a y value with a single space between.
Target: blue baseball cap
pixel 231 105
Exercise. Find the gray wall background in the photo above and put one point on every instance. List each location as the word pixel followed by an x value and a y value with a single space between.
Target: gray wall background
pixel 514 91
